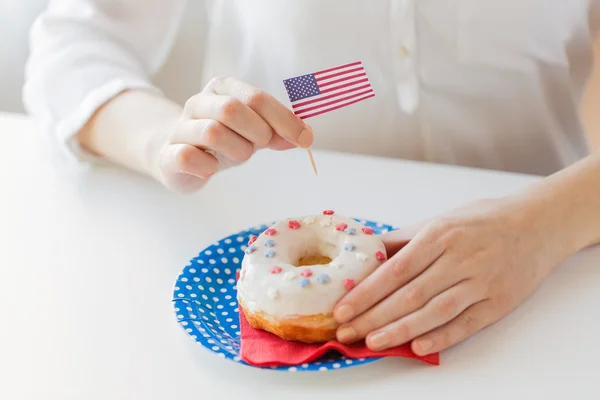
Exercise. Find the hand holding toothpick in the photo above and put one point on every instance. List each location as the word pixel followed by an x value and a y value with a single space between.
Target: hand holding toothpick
pixel 328 90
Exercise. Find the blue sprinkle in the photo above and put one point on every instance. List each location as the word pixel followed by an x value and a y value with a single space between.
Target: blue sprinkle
pixel 304 282
pixel 269 243
pixel 270 253
pixel 349 246
pixel 250 250
pixel 323 279
pixel 350 231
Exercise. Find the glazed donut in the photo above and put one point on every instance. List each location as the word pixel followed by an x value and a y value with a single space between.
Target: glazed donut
pixel 295 272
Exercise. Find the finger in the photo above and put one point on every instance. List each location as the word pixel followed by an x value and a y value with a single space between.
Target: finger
pixel 400 269
pixel 440 310
pixel 469 322
pixel 279 117
pixel 232 113
pixel 436 279
pixel 278 143
pixel 395 240
pixel 212 135
pixel 187 159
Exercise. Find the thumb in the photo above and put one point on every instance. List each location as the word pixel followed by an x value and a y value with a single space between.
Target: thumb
pixel 395 240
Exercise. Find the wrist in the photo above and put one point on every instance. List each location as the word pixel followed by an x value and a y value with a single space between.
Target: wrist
pixel 560 209
pixel 151 150
pixel 535 219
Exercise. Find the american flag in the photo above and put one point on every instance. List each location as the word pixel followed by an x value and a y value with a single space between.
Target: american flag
pixel 328 90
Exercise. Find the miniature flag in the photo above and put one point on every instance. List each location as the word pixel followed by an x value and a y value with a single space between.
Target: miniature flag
pixel 328 90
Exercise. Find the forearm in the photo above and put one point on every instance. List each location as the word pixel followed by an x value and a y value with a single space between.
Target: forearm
pixel 567 205
pixel 130 129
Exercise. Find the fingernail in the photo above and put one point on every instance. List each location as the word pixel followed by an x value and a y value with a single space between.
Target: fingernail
pixel 344 314
pixel 306 137
pixel 424 345
pixel 379 341
pixel 346 334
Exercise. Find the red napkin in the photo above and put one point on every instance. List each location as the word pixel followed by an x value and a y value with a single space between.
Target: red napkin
pixel 263 349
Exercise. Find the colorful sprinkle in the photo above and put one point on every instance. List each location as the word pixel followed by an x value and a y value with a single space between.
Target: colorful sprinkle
pixel 349 284
pixel 269 243
pixel 308 220
pixel 380 256
pixel 306 273
pixel 304 282
pixel 325 222
pixel 252 240
pixel 288 276
pixel 341 226
pixel 275 269
pixel 350 231
pixel 271 232
pixel 368 231
pixel 323 279
pixel 362 256
pixel 293 224
pixel 270 253
pixel 349 246
pixel 328 212
pixel 272 293
pixel 336 264
pixel 250 249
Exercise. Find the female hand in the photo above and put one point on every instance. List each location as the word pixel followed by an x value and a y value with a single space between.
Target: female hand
pixel 462 272
pixel 225 123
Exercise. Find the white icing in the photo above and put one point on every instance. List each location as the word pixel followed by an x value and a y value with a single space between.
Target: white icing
pixel 289 275
pixel 272 293
pixel 309 220
pixel 326 221
pixel 257 286
pixel 362 256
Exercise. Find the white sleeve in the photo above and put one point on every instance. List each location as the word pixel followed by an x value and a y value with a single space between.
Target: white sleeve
pixel 84 52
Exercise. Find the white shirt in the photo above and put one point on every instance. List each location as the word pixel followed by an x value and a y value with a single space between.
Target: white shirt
pixel 482 83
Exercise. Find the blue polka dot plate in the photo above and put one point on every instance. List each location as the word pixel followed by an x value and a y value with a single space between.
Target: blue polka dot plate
pixel 205 301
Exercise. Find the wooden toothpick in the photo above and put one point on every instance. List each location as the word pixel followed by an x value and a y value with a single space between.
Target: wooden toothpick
pixel 312 160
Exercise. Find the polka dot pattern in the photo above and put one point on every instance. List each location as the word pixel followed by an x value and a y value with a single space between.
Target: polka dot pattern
pixel 205 301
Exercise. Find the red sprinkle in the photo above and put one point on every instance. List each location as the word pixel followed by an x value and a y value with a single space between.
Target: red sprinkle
pixel 341 226
pixel 275 269
pixel 349 284
pixel 252 240
pixel 328 212
pixel 271 232
pixel 367 231
pixel 380 256
pixel 306 273
pixel 294 224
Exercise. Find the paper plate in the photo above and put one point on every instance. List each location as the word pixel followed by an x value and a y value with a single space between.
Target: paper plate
pixel 205 301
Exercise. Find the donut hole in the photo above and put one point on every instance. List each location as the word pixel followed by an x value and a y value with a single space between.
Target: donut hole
pixel 313 259
pixel 316 253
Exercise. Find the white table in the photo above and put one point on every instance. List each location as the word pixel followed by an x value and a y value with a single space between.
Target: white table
pixel 88 259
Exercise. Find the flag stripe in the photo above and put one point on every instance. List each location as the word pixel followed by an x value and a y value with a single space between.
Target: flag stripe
pixel 332 75
pixel 339 74
pixel 336 107
pixel 333 89
pixel 342 79
pixel 330 96
pixel 338 100
pixel 336 68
